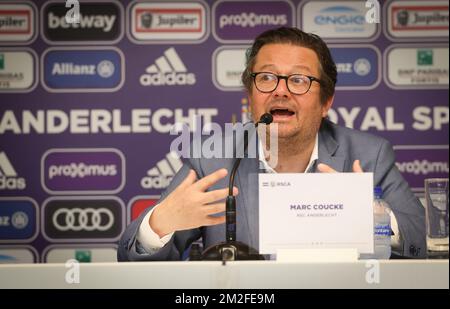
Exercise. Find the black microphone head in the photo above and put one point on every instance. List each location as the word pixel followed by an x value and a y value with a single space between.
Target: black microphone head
pixel 266 118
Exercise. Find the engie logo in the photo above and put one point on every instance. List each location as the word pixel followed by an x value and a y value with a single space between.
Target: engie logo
pixel 242 21
pixel 168 70
pixel 9 179
pixel 139 204
pixel 358 67
pixel 414 19
pixel 417 162
pixel 18 219
pixel 99 22
pixel 343 20
pixel 168 21
pixel 83 219
pixel 17 22
pixel 81 171
pixel 82 69
pixel 159 177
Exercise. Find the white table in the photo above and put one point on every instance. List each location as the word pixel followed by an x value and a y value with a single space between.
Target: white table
pixel 239 274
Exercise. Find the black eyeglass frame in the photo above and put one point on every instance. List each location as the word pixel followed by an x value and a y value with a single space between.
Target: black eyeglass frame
pixel 286 78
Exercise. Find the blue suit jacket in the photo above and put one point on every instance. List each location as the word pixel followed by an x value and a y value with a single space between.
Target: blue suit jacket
pixel 338 147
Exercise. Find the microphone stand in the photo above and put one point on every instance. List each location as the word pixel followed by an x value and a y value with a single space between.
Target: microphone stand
pixel 231 249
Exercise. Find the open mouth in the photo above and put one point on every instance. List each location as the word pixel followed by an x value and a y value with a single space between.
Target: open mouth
pixel 281 112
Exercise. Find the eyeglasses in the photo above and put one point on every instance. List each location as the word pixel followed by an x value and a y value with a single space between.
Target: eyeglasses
pixel 296 83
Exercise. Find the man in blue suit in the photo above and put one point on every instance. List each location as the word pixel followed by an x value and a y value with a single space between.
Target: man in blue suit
pixel 291 75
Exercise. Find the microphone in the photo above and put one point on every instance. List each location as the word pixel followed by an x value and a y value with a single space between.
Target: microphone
pixel 231 249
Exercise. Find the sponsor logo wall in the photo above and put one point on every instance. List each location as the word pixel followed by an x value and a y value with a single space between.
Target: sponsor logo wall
pixel 86 108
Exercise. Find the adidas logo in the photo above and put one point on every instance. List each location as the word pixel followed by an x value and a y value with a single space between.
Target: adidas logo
pixel 167 70
pixel 8 175
pixel 160 176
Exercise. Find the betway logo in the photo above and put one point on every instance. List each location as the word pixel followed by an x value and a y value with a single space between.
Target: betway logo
pixel 252 20
pixel 103 22
pixel 8 175
pixel 160 176
pixel 423 167
pixel 167 70
pixel 81 170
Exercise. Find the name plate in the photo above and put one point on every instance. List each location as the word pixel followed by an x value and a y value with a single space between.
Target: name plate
pixel 315 210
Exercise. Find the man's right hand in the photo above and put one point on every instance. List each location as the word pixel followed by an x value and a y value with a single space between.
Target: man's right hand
pixel 190 205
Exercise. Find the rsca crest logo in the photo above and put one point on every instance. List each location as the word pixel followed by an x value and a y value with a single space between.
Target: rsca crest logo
pixel 9 179
pixel 168 70
pixel 160 176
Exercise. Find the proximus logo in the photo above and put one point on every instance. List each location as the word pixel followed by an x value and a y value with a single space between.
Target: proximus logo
pixel 423 167
pixel 81 170
pixel 252 20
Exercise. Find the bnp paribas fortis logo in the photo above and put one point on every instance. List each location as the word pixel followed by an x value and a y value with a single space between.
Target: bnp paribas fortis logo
pixel 83 256
pixel 425 57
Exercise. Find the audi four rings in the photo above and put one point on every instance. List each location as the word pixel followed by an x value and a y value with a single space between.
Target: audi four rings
pixel 68 217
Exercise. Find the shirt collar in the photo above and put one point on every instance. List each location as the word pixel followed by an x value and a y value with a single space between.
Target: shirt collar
pixel 263 164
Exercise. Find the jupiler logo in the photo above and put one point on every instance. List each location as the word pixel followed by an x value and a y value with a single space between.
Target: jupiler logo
pixel 9 179
pixel 168 70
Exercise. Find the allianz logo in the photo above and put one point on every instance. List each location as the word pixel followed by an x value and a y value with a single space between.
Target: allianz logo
pixel 252 20
pixel 361 67
pixel 340 15
pixel 102 22
pixel 104 68
pixel 19 220
pixel 81 170
pixel 9 179
pixel 423 167
pixel 160 176
pixel 168 70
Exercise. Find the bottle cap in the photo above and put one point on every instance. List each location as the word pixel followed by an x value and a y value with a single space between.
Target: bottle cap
pixel 378 192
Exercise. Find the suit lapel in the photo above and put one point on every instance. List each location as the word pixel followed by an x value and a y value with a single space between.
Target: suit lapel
pixel 327 150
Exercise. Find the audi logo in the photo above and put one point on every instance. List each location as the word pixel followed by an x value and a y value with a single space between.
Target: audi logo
pixel 77 219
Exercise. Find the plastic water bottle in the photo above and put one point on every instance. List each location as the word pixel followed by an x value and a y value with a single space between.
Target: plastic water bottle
pixel 382 226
